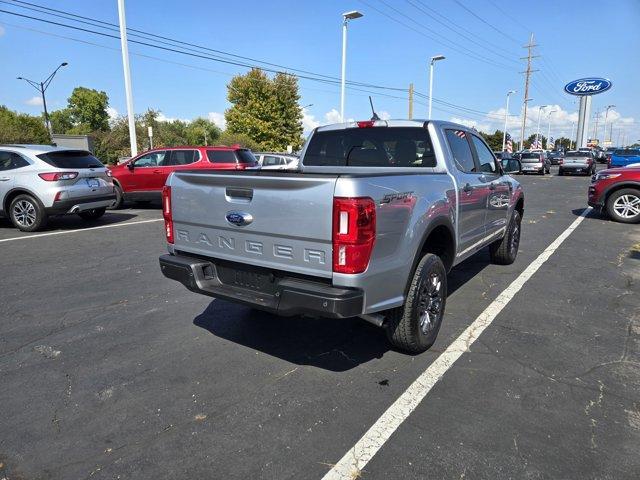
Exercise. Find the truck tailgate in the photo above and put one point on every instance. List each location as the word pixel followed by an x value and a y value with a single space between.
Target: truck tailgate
pixel 287 219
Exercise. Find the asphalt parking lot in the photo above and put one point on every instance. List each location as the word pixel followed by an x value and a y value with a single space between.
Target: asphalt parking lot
pixel 108 370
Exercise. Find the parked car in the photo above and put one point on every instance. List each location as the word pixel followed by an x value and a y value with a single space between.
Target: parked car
pixel 276 161
pixel 38 181
pixel 535 162
pixel 511 165
pixel 142 177
pixel 555 157
pixel 623 157
pixel 617 191
pixel 378 215
pixel 578 162
pixel 607 155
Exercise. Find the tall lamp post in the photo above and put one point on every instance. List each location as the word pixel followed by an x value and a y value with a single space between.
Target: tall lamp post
pixel 549 127
pixel 345 20
pixel 604 136
pixel 506 118
pixel 42 87
pixel 540 108
pixel 433 60
pixel 573 125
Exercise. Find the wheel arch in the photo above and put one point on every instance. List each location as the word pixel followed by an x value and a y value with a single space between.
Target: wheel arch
pixel 618 186
pixel 13 193
pixel 439 239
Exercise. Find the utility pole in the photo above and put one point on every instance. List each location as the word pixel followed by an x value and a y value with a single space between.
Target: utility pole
pixel 595 127
pixel 527 73
pixel 411 101
pixel 127 78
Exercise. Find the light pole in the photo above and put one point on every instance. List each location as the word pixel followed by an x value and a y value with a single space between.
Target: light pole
pixel 606 114
pixel 506 117
pixel 433 60
pixel 42 87
pixel 540 108
pixel 549 127
pixel 345 19
pixel 127 78
pixel 573 125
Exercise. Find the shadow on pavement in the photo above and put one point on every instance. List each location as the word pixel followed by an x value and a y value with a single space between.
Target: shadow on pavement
pixel 73 222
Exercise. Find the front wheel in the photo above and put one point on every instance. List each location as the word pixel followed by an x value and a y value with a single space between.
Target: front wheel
pixel 92 214
pixel 624 205
pixel 505 250
pixel 27 214
pixel 413 328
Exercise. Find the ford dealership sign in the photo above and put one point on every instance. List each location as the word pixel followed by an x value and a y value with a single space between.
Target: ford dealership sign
pixel 587 86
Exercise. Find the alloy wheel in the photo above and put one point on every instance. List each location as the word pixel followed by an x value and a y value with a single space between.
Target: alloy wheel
pixel 24 213
pixel 430 302
pixel 627 206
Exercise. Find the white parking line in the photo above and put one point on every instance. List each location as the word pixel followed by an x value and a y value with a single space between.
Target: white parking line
pixel 64 232
pixel 352 463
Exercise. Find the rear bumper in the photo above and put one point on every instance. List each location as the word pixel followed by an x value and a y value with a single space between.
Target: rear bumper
pixel 77 205
pixel 263 290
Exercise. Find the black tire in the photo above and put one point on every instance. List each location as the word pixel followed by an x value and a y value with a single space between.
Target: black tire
pixel 92 214
pixel 413 328
pixel 27 214
pixel 119 197
pixel 505 250
pixel 560 172
pixel 616 201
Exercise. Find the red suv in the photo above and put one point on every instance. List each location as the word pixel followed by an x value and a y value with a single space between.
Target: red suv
pixel 618 191
pixel 142 177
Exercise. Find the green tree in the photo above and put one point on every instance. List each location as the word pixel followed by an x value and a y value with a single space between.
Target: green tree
pixel 563 142
pixel 494 140
pixel 88 110
pixel 202 131
pixel 529 141
pixel 61 121
pixel 265 110
pixel 230 139
pixel 21 128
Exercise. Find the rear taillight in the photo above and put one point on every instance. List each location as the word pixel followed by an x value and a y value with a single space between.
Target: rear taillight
pixel 560 161
pixel 166 213
pixel 354 233
pixel 55 176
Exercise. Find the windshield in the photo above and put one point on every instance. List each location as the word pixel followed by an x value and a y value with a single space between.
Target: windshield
pixel 531 158
pixel 627 153
pixel 71 159
pixel 371 147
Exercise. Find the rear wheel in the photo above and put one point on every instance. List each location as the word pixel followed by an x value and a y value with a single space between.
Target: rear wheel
pixel 505 250
pixel 92 214
pixel 414 327
pixel 119 197
pixel 27 214
pixel 624 205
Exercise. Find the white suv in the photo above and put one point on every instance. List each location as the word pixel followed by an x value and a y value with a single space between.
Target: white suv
pixel 37 181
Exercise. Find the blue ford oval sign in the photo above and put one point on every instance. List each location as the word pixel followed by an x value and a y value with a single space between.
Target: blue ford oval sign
pixel 587 86
pixel 239 219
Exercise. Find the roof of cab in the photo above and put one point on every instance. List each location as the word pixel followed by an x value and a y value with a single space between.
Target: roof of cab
pixel 392 123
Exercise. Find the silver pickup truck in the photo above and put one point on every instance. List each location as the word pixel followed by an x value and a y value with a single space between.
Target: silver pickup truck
pixel 369 226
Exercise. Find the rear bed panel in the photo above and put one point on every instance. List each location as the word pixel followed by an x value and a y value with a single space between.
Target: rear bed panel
pixel 291 219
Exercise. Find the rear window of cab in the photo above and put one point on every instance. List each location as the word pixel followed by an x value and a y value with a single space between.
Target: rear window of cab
pixel 229 156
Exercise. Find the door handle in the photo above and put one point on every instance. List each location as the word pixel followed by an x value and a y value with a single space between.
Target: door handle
pixel 467 188
pixel 4 179
pixel 157 171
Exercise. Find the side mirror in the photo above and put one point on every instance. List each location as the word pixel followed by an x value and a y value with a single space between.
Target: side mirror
pixel 130 166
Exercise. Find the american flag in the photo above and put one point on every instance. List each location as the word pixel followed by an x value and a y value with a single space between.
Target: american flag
pixel 535 145
pixel 550 143
pixel 508 144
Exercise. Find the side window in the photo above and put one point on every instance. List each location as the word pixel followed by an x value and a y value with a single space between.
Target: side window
pixel 461 151
pixel 485 156
pixel 183 157
pixel 153 159
pixel 221 156
pixel 11 161
pixel 270 161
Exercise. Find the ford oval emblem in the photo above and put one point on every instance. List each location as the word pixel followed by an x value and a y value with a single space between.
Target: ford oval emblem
pixel 239 219
pixel 588 86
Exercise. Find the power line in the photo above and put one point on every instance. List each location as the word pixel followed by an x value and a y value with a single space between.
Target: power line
pixel 486 23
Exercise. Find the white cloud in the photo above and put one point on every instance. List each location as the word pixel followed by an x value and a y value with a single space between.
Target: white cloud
pixel 34 101
pixel 309 121
pixel 332 116
pixel 113 113
pixel 384 115
pixel 2 31
pixel 218 119
pixel 483 127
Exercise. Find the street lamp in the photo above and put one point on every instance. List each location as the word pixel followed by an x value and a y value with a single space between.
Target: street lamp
pixel 433 60
pixel 345 19
pixel 506 117
pixel 573 125
pixel 42 87
pixel 604 136
pixel 540 108
pixel 549 127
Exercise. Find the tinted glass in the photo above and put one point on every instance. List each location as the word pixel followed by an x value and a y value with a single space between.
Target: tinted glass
pixel 270 161
pixel 627 153
pixel 577 154
pixel 485 156
pixel 11 161
pixel 246 156
pixel 530 158
pixel 371 147
pixel 221 156
pixel 182 157
pixel 461 150
pixel 71 159
pixel 153 159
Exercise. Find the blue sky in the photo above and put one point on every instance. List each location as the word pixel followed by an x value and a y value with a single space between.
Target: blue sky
pixel 482 43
